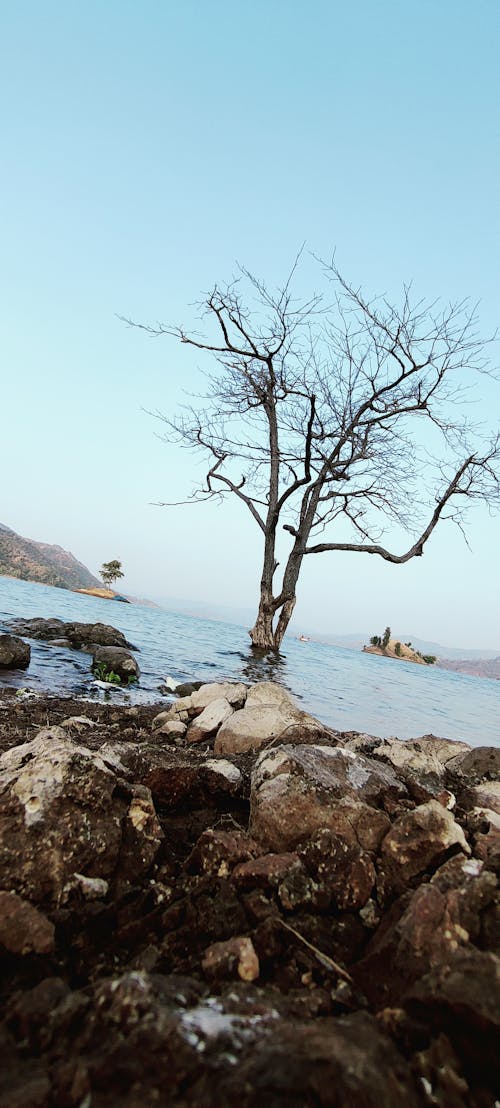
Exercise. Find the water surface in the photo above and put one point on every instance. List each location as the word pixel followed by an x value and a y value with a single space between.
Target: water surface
pixel 346 689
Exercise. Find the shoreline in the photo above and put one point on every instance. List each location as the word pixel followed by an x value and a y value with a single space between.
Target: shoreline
pixel 225 898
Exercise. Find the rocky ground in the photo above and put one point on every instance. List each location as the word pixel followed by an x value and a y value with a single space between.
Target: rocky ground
pixel 226 902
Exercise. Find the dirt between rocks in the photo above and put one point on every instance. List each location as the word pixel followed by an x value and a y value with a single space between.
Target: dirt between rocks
pixel 173 958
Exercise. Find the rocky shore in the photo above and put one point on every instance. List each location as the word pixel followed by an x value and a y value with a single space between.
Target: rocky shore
pixel 226 902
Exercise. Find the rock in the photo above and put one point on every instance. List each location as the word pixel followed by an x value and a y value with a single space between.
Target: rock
pixel 208 722
pixel 184 688
pixel 14 653
pixel 91 888
pixel 326 1063
pixel 219 775
pixel 172 729
pixel 485 796
pixel 426 928
pixel 114 659
pixel 80 635
pixel 479 764
pixel 79 724
pixel 418 841
pixel 269 714
pixel 266 871
pixel 297 790
pixel 178 712
pixel 234 957
pixel 23 928
pixel 462 999
pixel 344 874
pixel 219 851
pixel 421 764
pixel 234 692
pixel 62 810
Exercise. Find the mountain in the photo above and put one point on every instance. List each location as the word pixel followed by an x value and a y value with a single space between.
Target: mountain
pixel 42 562
pixel 475 667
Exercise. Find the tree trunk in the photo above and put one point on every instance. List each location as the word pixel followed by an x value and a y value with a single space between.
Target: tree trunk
pixel 262 633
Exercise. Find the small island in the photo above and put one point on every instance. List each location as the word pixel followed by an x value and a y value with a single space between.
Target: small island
pixel 389 647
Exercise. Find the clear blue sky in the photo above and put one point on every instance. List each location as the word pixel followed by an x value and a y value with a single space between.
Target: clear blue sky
pixel 146 148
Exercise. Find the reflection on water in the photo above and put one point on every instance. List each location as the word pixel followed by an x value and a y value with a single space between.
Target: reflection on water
pixel 260 665
pixel 346 689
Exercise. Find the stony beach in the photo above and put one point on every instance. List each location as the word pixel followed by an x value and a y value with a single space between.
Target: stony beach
pixel 228 902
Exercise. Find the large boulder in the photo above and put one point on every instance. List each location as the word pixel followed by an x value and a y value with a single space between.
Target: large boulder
pixel 269 714
pixel 63 810
pixel 114 659
pixel 297 790
pixel 14 653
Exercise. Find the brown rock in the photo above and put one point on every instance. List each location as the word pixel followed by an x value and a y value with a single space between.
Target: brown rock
pixel 63 810
pixel 266 871
pixel 235 957
pixel 23 928
pixel 219 851
pixel 426 929
pixel 417 842
pixel 299 790
pixel 344 872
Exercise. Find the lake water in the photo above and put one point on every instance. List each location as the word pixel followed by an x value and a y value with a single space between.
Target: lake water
pixel 346 689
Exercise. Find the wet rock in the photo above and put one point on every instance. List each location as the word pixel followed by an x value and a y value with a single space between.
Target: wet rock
pixel 23 928
pixel 14 653
pixel 186 688
pixel 80 635
pixel 114 659
pixel 269 714
pixel 208 722
pixel 297 790
pixel 64 811
pixel 235 957
pixel 417 842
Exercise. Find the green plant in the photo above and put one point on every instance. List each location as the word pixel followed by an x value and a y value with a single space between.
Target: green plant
pixel 131 679
pixel 375 640
pixel 429 659
pixel 397 649
pixel 102 672
pixel 385 638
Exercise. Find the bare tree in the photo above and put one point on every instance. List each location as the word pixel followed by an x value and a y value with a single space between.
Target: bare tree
pixel 343 419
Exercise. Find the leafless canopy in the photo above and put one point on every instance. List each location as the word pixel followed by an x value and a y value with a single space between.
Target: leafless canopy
pixel 336 421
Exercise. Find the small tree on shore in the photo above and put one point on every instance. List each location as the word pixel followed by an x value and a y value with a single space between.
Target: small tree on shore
pixel 385 638
pixel 312 420
pixel 110 572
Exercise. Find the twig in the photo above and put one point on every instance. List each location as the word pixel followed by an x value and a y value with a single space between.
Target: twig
pixel 323 958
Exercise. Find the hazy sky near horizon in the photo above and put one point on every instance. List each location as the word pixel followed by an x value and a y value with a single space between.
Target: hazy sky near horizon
pixel 149 147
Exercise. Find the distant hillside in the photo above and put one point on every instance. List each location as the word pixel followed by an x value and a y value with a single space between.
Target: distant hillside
pixel 40 561
pixel 475 667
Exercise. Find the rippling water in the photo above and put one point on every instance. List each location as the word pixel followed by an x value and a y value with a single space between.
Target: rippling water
pixel 346 689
